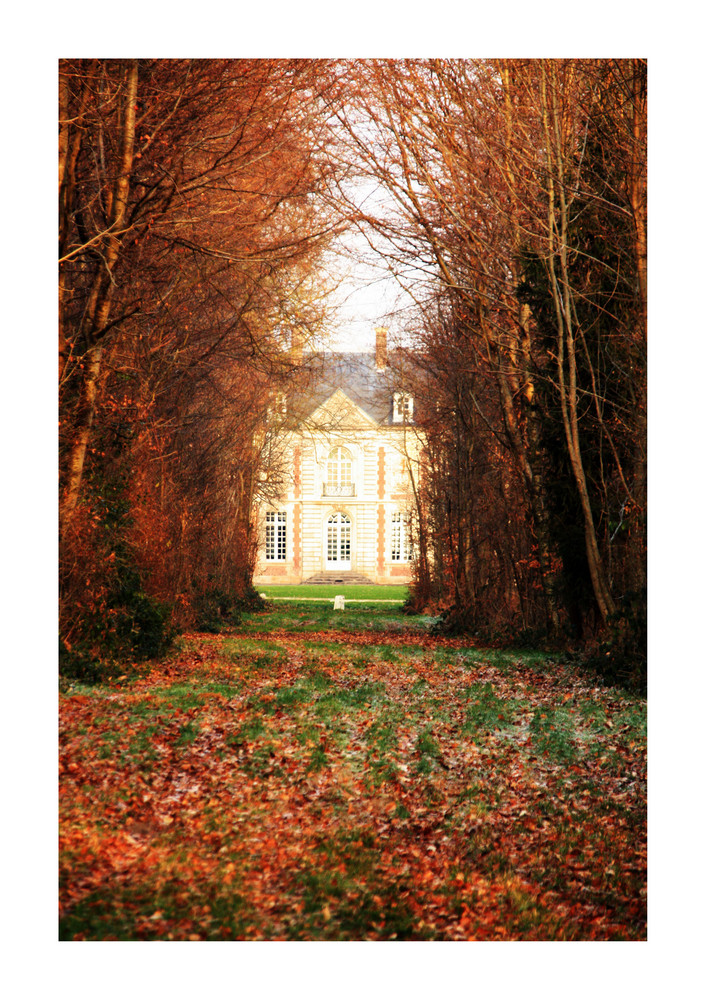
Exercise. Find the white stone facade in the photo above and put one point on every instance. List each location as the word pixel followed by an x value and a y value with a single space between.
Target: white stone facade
pixel 347 507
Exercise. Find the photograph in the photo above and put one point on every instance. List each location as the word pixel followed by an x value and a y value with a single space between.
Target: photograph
pixel 352 500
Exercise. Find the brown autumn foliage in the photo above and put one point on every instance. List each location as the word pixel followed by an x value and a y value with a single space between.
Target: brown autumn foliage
pixel 195 203
pixel 519 189
pixel 353 784
pixel 190 224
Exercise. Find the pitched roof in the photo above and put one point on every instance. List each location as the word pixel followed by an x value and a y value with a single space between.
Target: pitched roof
pixel 353 373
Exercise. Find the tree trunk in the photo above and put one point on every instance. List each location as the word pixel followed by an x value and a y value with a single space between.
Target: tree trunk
pixel 637 191
pixel 562 295
pixel 536 494
pixel 98 308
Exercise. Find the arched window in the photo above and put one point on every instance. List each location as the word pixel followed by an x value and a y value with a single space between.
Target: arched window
pixel 339 473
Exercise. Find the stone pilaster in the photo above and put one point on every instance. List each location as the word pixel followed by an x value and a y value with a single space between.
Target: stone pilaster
pixel 297 538
pixel 297 471
pixel 381 539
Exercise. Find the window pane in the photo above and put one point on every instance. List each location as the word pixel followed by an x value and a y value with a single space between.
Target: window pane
pixel 396 536
pixel 339 467
pixel 282 536
pixel 332 539
pixel 276 535
pixel 408 551
pixel 345 538
pixel 401 537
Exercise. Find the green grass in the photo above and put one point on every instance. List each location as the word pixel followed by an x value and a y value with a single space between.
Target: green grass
pixel 554 735
pixel 326 591
pixel 345 898
pixel 318 616
pixel 304 787
pixel 487 712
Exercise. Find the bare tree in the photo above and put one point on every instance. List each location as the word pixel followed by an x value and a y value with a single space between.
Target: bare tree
pixel 487 164
pixel 193 212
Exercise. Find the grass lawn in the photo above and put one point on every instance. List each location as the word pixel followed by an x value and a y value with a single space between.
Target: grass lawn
pixel 382 784
pixel 310 616
pixel 327 591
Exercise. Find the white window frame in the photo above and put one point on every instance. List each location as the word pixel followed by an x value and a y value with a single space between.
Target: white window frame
pixel 402 408
pixel 339 478
pixel 276 536
pixel 339 467
pixel 401 550
pixel 339 535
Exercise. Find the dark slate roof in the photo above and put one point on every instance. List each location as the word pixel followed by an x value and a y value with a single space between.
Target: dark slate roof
pixel 355 374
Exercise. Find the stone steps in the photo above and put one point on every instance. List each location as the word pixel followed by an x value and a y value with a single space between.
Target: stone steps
pixel 330 576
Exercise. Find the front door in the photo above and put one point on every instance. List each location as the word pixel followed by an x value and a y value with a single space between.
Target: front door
pixel 338 542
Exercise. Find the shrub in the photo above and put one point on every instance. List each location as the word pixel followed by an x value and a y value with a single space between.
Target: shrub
pixel 77 664
pixel 127 628
pixel 621 658
pixel 460 621
pixel 216 609
pixel 142 626
pixel 106 617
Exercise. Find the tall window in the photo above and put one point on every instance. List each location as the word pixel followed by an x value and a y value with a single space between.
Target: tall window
pixel 276 535
pixel 338 539
pixel 401 537
pixel 339 467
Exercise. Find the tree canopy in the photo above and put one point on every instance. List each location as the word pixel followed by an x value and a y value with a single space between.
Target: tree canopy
pixel 198 200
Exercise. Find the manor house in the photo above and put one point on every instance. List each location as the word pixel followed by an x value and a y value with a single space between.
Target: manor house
pixel 350 461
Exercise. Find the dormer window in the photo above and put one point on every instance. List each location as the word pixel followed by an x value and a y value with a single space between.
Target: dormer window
pixel 402 408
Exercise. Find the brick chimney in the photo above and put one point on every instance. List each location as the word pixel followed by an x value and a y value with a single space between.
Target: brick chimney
pixel 380 348
pixel 297 346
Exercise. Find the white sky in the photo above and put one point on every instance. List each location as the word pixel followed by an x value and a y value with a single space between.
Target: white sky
pixel 369 295
pixel 364 301
pixel 367 292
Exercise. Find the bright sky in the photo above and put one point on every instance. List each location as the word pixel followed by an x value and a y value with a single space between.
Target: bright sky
pixel 364 300
pixel 369 294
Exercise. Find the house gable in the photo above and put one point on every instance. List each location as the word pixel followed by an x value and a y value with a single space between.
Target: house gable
pixel 338 413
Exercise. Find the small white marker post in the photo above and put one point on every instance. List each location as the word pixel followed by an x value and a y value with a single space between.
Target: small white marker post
pixel 339 603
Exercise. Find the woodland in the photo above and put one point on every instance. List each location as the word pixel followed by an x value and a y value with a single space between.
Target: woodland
pixel 200 204
pixel 468 765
